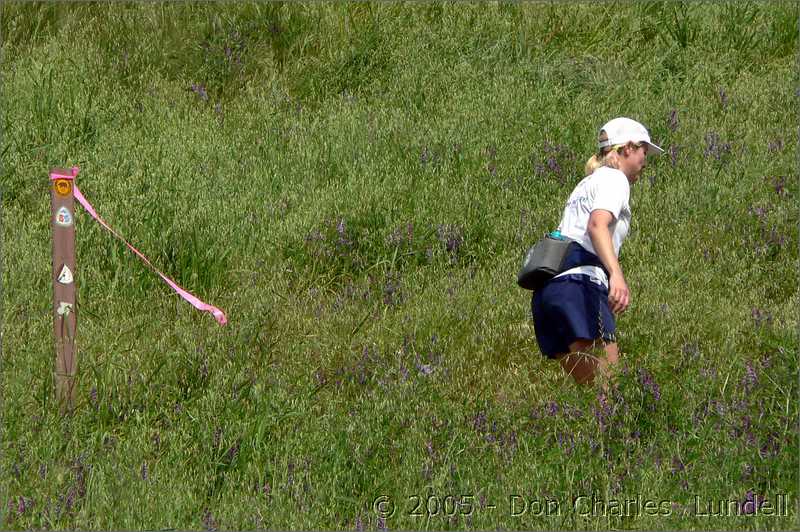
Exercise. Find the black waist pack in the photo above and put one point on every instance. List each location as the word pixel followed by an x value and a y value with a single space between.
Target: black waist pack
pixel 551 256
pixel 542 262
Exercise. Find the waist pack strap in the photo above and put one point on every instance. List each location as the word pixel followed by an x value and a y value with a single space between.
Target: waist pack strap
pixel 596 275
pixel 580 256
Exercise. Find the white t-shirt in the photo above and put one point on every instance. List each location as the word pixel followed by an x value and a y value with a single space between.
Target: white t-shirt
pixel 607 189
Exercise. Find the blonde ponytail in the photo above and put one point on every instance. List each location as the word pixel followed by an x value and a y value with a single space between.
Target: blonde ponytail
pixel 594 162
pixel 603 158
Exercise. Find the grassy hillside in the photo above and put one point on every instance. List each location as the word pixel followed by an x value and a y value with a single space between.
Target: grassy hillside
pixel 354 184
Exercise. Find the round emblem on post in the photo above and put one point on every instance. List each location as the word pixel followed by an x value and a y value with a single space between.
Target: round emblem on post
pixel 63 187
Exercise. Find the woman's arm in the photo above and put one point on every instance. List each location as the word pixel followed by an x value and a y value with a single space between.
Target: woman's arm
pixel 599 231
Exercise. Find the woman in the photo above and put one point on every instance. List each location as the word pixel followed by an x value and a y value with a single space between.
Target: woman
pixel 573 314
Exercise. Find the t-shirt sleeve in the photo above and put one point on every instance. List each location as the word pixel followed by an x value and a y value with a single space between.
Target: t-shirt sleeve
pixel 612 193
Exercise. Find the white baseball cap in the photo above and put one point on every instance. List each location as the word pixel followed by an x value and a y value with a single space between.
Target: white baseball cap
pixel 624 130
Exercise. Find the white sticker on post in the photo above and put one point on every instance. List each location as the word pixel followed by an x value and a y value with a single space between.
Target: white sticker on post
pixel 64 217
pixel 65 277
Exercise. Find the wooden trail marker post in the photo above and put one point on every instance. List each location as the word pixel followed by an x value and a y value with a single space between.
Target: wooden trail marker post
pixel 62 216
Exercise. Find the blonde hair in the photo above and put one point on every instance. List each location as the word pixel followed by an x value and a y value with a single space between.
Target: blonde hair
pixel 604 157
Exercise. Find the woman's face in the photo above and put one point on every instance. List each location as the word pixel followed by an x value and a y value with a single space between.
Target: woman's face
pixel 635 161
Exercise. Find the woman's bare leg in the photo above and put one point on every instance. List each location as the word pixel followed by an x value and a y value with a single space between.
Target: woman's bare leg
pixel 583 364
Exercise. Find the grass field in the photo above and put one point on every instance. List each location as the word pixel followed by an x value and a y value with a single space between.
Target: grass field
pixel 355 184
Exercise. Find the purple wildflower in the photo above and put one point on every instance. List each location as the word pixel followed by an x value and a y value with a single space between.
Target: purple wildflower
pixel 232 452
pixel 711 143
pixel 144 471
pixel 775 238
pixel 677 465
pixel 674 150
pixel 673 120
pixel 776 145
pixel 723 98
pixel 552 165
pixel 490 436
pixel 649 384
pixel 80 476
pixel 509 440
pixel 200 90
pixel 425 156
pixel 391 292
pixel 425 369
pixel 70 498
pixel 750 378
pixel 479 422
pixel 593 445
pixel 451 236
pixel 208 520
pixel 109 442
pixel 315 236
pixel 401 235
pixel 779 184
pixel 761 316
pixel 93 396
pixel 758 211
pixel 770 447
pixel 750 503
pixel 575 412
pixel 743 432
pixel 691 349
pixel 23 504
pixel 552 408
pixel 290 474
pixel 341 230
pixel 714 148
pixel 602 413
pixel 217 437
pixel 566 442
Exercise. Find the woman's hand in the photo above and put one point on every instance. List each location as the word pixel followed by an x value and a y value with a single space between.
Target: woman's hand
pixel 600 232
pixel 618 293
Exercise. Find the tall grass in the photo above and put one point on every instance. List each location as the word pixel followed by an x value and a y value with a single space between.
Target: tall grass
pixel 355 184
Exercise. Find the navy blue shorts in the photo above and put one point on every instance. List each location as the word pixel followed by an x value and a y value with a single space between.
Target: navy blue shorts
pixel 569 308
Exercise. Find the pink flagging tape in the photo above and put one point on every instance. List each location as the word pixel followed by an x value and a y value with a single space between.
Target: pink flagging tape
pixel 199 305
